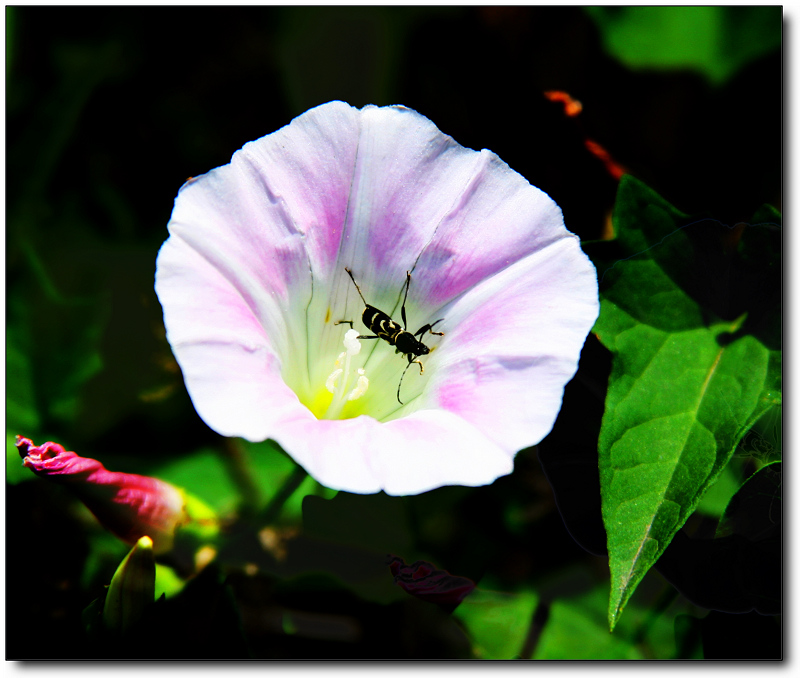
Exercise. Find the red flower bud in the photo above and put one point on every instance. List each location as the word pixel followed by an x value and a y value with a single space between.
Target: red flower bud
pixel 128 505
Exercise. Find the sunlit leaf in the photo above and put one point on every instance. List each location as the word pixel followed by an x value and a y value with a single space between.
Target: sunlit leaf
pixel 573 632
pixel 574 625
pixel 689 379
pixel 271 468
pixel 204 475
pixel 498 623
pixel 167 581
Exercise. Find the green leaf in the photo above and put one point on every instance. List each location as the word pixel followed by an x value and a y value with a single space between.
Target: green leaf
pixel 21 412
pixel 168 582
pixel 572 634
pixel 574 631
pixel 714 41
pixel 15 471
pixel 49 369
pixel 498 623
pixel 575 625
pixel 695 365
pixel 271 467
pixel 204 475
pixel 22 415
pixel 688 637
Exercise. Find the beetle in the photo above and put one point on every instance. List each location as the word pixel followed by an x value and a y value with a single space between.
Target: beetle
pixel 392 333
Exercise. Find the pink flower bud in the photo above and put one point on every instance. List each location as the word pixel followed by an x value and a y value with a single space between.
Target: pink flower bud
pixel 423 580
pixel 128 505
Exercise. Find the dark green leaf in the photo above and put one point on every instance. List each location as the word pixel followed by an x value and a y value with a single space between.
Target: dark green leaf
pixel 372 521
pixel 720 493
pixel 755 511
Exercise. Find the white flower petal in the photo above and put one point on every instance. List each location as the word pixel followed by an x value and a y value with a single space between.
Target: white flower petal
pixel 415 454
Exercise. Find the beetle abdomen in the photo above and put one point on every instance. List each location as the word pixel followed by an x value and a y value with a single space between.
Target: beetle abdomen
pixel 380 323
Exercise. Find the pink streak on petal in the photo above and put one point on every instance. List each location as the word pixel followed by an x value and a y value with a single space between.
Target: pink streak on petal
pixel 251 250
pixel 498 220
pixel 514 344
pixel 308 166
pixel 406 179
pixel 422 202
pixel 240 241
pixel 201 304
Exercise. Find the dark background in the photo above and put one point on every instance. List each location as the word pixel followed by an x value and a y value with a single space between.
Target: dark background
pixel 110 110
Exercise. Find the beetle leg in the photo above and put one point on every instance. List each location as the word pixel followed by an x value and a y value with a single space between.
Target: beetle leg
pixel 429 328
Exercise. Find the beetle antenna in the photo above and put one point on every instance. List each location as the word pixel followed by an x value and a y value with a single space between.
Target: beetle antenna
pixel 403 308
pixel 410 363
pixel 358 289
pixel 401 383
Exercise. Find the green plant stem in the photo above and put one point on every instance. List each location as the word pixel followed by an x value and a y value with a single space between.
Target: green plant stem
pixel 241 474
pixel 273 508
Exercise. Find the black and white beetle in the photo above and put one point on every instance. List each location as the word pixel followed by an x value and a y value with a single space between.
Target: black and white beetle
pixel 387 329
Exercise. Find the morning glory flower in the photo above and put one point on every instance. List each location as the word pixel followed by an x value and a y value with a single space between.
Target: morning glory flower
pixel 259 307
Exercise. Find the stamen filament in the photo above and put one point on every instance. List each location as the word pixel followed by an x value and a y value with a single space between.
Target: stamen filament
pixel 343 377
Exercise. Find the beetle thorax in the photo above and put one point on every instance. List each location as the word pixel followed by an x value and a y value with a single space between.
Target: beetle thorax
pixel 407 343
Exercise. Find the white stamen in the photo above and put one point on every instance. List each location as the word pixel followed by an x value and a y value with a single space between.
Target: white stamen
pixel 330 382
pixel 361 386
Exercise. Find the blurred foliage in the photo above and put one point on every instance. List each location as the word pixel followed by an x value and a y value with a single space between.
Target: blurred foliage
pixel 712 40
pixel 109 110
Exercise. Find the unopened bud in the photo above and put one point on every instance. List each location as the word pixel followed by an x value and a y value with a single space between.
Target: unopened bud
pixel 132 588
